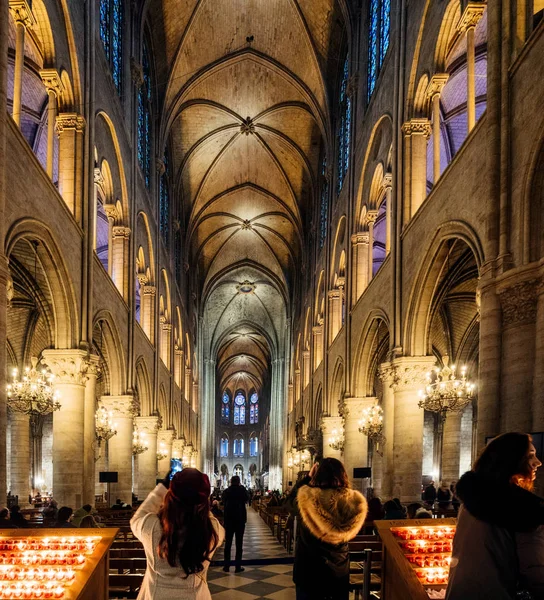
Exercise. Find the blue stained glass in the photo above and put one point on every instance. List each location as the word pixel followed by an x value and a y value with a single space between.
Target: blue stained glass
pixel 347 135
pixel 324 212
pixel 378 39
pixel 385 26
pixel 117 43
pixel 164 207
pixel 252 414
pixel 225 398
pixel 240 399
pixel 105 26
pixel 256 413
pixel 242 415
pixel 144 121
pixel 237 415
pixel 344 130
pixel 254 398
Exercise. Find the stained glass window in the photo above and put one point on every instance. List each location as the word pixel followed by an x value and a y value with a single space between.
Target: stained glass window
pixel 177 254
pixel 324 211
pixel 225 409
pixel 224 447
pixel 240 409
pixel 378 39
pixel 254 446
pixel 137 300
pixel 238 447
pixel 164 207
pixel 254 409
pixel 111 34
pixel 144 119
pixel 344 129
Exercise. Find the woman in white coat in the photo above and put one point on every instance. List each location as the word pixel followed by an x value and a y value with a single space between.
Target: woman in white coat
pixel 179 535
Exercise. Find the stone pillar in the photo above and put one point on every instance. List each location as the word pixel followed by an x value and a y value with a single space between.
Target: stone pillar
pixel 194 398
pixel 388 185
pixel 360 245
pixel 451 447
pixel 165 439
pixel 297 385
pixel 317 332
pixel 90 431
pixel 436 85
pixel 328 425
pixel 538 380
pixel 371 217
pixel 188 385
pixel 111 213
pixel 386 374
pixel 70 370
pixel 120 446
pixel 147 311
pixel 147 461
pixel 120 254
pixel 306 368
pixel 277 423
pixel 20 456
pixel 178 367
pixel 177 448
pixel 166 330
pixel 470 18
pixel 355 444
pixel 23 17
pixel 53 85
pixel 335 314
pixel 416 136
pixel 70 129
pixel 519 306
pixel 290 397
pixel 410 376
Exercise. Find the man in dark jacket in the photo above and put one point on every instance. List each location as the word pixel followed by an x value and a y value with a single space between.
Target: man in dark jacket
pixel 429 495
pixel 234 508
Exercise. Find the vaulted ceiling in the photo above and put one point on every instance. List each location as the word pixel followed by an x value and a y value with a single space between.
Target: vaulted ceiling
pixel 247 114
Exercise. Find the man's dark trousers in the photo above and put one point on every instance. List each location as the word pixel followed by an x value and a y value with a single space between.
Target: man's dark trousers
pixel 231 531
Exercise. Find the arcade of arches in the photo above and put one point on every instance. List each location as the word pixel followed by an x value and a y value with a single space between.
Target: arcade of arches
pixel 236 224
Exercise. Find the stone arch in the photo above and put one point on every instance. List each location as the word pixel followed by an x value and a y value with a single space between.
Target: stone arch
pixel 418 316
pixel 44 33
pixel 317 409
pixel 338 248
pixel 164 408
pixel 110 349
pixel 66 322
pixel 447 34
pixel 337 389
pixel 143 389
pixel 533 205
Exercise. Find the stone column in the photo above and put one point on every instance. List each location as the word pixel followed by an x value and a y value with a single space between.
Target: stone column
pixel 290 397
pixel 147 310
pixel 111 213
pixel 120 446
pixel 90 431
pixel 317 332
pixel 165 439
pixel 20 456
pixel 519 307
pixel 388 185
pixel 360 245
pixel 335 314
pixel 328 425
pixel 188 388
pixel 386 374
pixel 297 385
pixel 70 129
pixel 177 448
pixel 371 217
pixel 538 381
pixel 70 370
pixel 409 377
pixel 451 447
pixel 277 423
pixel 178 367
pixel 470 18
pixel 194 398
pixel 166 330
pixel 355 444
pixel 306 368
pixel 120 254
pixel 147 461
pixel 53 85
pixel 416 136
pixel 436 85
pixel 23 17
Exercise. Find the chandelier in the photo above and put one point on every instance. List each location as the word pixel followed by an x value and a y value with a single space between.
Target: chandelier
pixel 336 441
pixel 187 454
pixel 162 453
pixel 105 427
pixel 371 423
pixel 33 394
pixel 446 392
pixel 139 444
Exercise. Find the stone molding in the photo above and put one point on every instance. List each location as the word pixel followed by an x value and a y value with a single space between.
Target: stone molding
pixel 410 372
pixel 120 406
pixel 334 294
pixel 149 425
pixel 354 406
pixel 66 121
pixel 360 238
pixel 317 330
pixel 148 290
pixel 22 13
pixel 519 303
pixel 51 81
pixel 68 366
pixel 436 84
pixel 120 231
pixel 417 127
pixel 471 16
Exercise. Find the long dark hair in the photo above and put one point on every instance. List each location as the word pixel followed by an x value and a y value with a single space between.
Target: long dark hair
pixel 188 535
pixel 504 460
pixel 330 474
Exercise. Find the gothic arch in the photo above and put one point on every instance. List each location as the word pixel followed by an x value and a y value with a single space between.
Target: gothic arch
pixel 143 388
pixel 337 389
pixel 112 350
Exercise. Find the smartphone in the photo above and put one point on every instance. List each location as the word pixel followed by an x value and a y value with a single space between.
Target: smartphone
pixel 175 466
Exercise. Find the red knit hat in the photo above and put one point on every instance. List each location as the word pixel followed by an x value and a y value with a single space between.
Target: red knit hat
pixel 191 486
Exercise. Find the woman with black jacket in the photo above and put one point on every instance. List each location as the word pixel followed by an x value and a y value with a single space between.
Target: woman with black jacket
pixel 329 514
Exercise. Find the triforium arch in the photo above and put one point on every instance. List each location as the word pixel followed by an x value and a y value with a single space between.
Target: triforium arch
pixel 142 389
pixel 107 345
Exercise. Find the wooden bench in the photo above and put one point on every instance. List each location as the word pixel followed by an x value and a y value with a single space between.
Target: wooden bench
pixel 126 585
pixel 135 553
pixel 130 565
pixel 364 582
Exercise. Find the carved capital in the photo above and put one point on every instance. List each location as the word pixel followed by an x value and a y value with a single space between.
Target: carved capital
pixel 177 448
pixel 417 127
pixel 388 181
pixel 317 330
pixel 120 231
pixel 166 436
pixel 51 81
pixel 149 425
pixel 93 366
pixel 120 406
pixel 142 279
pixel 519 303
pixel 386 373
pixel 410 372
pixel 68 366
pixel 371 217
pixel 355 407
pixel 149 290
pixel 328 424
pixel 361 238
pixel 334 294
pixel 436 84
pixel 98 177
pixel 22 13
pixel 471 16
pixel 111 211
pixel 68 121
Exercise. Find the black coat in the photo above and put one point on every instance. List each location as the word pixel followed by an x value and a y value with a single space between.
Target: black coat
pixel 234 505
pixel 326 520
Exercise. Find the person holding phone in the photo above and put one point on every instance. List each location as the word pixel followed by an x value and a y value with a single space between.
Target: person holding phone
pixel 179 535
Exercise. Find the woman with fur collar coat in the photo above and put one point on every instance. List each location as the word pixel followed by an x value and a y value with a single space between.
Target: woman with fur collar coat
pixel 498 547
pixel 329 514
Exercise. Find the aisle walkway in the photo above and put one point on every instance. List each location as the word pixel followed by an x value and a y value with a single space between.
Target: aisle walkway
pixel 268 568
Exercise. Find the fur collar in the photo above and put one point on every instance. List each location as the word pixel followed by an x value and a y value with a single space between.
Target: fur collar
pixel 508 506
pixel 334 516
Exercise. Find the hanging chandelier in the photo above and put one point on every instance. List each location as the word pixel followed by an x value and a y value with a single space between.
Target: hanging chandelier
pixel 336 441
pixel 446 392
pixel 371 422
pixel 105 428
pixel 34 393
pixel 161 452
pixel 139 444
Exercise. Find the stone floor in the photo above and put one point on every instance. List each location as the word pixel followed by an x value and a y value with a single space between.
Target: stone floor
pixel 268 568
